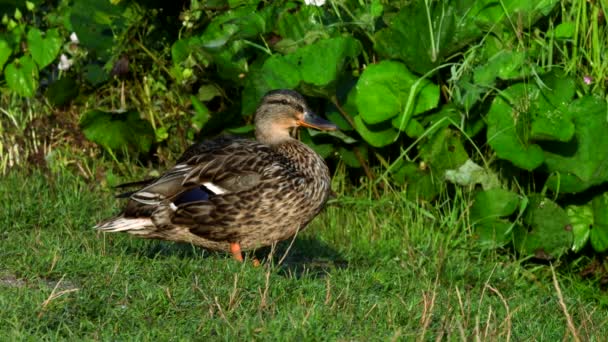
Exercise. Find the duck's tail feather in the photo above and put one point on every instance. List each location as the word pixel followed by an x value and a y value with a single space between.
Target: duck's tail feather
pixel 132 225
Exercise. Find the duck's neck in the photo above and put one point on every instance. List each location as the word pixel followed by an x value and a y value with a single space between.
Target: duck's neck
pixel 273 136
pixel 304 158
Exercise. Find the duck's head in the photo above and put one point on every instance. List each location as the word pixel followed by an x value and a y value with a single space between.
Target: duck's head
pixel 280 111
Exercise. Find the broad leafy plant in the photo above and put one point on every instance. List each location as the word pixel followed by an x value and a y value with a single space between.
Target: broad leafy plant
pixel 479 94
pixel 25 50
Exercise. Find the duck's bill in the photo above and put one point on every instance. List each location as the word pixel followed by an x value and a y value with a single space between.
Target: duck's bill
pixel 312 120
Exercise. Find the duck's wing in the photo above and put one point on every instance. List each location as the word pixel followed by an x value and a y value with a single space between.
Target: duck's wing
pixel 206 147
pixel 217 168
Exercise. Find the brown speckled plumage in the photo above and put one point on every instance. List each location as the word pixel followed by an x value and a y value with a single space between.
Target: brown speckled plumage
pixel 259 192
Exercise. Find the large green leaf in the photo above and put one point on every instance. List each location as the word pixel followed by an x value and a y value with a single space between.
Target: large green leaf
pixel 421 185
pixel 314 67
pixel 22 76
pixel 44 49
pixel 240 23
pixel 276 73
pixel 231 62
pixel 443 150
pixel 504 65
pixel 62 91
pixel 377 135
pixel 5 52
pixel 581 219
pixel 384 91
pixel 118 131
pixel 298 26
pixel 582 161
pixel 201 116
pixel 499 15
pixel 470 174
pixel 548 234
pixel 492 204
pixel 599 232
pixel 525 113
pixel 321 63
pixel 489 208
pixel 590 223
pixel 95 22
pixel 424 33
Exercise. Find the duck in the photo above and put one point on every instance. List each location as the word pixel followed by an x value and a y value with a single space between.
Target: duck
pixel 233 194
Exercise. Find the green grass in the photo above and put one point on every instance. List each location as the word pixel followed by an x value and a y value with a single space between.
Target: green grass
pixel 365 270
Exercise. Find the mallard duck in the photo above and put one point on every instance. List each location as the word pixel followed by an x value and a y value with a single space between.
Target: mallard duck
pixel 234 194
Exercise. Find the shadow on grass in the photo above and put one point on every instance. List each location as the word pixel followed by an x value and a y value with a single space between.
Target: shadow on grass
pixel 306 257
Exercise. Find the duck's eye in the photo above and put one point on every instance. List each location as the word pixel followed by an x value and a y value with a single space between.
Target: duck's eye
pixel 284 102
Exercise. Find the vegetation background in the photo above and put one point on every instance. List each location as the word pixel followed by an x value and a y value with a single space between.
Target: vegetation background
pixel 470 168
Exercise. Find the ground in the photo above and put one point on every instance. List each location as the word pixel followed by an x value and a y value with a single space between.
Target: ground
pixel 386 269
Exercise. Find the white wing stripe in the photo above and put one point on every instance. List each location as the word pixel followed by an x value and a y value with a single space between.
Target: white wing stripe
pixel 214 188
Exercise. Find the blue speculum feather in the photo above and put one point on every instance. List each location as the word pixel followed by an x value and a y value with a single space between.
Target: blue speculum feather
pixel 193 195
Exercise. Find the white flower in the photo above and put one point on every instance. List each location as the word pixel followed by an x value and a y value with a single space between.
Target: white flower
pixel 74 38
pixel 315 2
pixel 64 62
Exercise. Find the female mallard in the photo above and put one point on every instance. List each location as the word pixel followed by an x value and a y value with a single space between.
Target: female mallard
pixel 233 194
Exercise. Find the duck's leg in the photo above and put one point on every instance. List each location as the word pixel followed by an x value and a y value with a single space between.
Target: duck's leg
pixel 235 249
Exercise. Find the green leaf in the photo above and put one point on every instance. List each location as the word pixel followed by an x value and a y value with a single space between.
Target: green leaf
pixel 201 115
pixel 241 130
pixel 384 91
pixel 337 118
pixel 62 91
pixel 299 26
pixel 423 37
pixel 580 163
pixel 180 50
pixel 240 23
pixel 548 233
pixel 493 233
pixel 315 67
pixel 492 204
pixel 590 223
pixel 419 180
pixel 324 150
pixel 321 63
pixel 377 135
pixel 497 15
pixel 207 92
pixel 5 52
pixel 95 74
pixel 502 135
pixel 413 129
pixel 505 65
pixel 118 131
pixel 524 113
pixel 276 73
pixel 336 134
pixel 599 231
pixel 581 219
pixel 44 49
pixel 95 22
pixel 349 157
pixel 443 150
pixel 22 76
pixel 376 8
pixel 552 119
pixel 565 30
pixel 471 174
